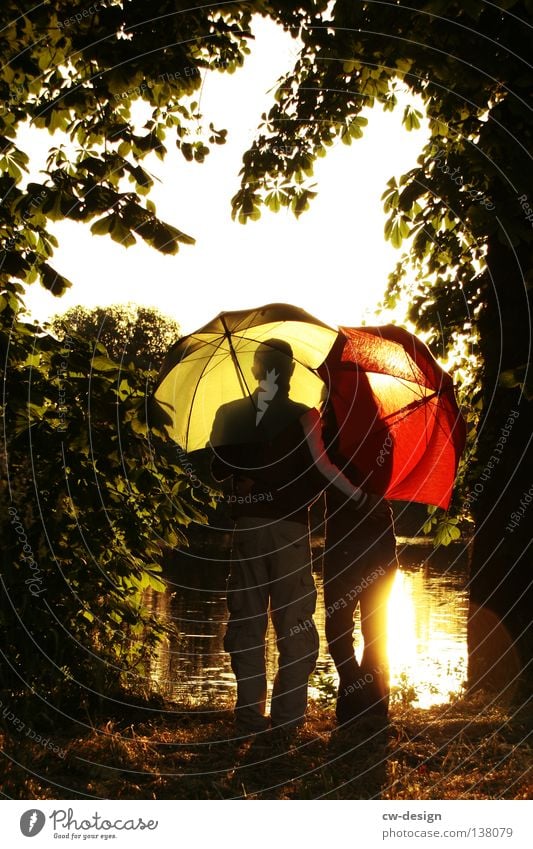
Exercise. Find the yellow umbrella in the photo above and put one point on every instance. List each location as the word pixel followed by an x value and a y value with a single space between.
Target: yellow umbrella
pixel 214 367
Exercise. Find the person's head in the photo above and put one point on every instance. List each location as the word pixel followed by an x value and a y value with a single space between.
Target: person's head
pixel 274 355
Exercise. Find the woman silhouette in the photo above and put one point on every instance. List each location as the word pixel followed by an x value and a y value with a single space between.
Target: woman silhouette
pixel 359 568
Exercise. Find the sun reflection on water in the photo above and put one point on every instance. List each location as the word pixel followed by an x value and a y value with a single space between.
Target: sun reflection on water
pixel 426 642
pixel 427 638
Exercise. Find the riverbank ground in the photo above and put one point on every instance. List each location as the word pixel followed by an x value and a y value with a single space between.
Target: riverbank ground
pixel 471 749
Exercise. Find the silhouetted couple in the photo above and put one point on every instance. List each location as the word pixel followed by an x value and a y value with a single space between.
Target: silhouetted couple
pixel 273 448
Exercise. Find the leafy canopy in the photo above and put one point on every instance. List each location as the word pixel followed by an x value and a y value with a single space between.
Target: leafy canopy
pixel 129 333
pixel 96 494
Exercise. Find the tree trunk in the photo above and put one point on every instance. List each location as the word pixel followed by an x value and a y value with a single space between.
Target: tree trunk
pixel 501 602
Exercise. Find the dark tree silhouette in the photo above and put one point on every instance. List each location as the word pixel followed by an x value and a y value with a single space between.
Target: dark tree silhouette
pixel 467 206
pixel 467 209
pixel 129 333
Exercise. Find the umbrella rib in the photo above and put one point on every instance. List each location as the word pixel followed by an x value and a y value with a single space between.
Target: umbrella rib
pixel 405 381
pixel 456 420
pixel 407 410
pixel 295 357
pixel 438 392
pixel 216 346
pixel 423 399
pixel 412 407
pixel 229 336
pixel 242 380
pixel 208 360
pixel 191 406
pixel 245 389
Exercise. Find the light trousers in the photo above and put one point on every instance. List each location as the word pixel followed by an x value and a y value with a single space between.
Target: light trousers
pixel 271 571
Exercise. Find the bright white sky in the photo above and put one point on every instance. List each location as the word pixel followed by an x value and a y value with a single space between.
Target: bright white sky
pixel 333 261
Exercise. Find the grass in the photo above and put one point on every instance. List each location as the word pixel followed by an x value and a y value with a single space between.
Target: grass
pixel 471 749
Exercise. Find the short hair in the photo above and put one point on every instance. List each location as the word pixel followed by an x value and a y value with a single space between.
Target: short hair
pixel 276 354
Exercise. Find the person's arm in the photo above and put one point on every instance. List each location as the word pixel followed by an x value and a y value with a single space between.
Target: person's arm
pixel 311 424
pixel 220 469
pixel 223 456
pixel 232 460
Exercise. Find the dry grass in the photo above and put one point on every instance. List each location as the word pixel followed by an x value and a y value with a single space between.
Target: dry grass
pixel 467 750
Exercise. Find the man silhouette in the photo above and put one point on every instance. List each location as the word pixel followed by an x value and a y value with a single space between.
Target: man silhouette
pixel 272 448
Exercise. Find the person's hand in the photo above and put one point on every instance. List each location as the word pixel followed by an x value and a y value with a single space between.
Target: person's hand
pixel 242 485
pixel 376 507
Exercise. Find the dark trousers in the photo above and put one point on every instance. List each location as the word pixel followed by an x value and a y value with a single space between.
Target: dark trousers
pixel 359 569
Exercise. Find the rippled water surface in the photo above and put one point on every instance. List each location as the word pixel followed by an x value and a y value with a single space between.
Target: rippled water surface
pixel 427 629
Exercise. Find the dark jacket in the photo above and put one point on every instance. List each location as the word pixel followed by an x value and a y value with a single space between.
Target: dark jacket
pixel 273 472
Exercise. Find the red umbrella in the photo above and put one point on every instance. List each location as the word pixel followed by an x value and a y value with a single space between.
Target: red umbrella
pixel 398 420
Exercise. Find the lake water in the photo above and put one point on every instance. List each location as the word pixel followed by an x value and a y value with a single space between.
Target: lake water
pixel 427 629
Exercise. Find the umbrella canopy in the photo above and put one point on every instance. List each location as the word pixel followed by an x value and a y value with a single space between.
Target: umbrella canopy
pixel 400 432
pixel 397 418
pixel 213 368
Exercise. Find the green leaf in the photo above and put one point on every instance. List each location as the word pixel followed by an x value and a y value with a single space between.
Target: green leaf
pixel 101 363
pixel 273 201
pixel 446 533
pixel 391 197
pixel 54 282
pixel 156 583
pixel 411 118
pixel 139 427
pixel 121 234
pixel 520 377
pixel 103 226
pixel 179 235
